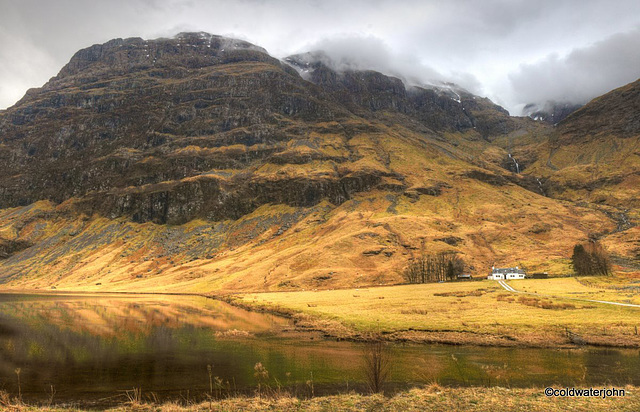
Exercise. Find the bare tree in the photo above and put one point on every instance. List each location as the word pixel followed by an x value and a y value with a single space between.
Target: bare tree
pixel 438 267
pixel 376 364
pixel 591 259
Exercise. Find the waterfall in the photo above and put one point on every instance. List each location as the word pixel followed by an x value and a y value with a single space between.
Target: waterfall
pixel 515 162
pixel 540 185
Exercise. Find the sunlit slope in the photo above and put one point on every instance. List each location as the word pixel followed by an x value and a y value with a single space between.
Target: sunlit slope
pixel 445 204
pixel 592 158
pixel 201 163
pixel 594 154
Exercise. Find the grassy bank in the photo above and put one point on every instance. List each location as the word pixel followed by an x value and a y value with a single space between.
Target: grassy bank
pixel 480 313
pixel 431 398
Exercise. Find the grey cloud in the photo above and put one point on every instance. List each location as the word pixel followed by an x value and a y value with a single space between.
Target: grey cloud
pixel 475 44
pixel 582 74
pixel 354 52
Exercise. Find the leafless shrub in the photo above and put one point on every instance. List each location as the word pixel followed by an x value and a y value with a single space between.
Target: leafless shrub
pixel 134 398
pixel 52 393
pixel 17 371
pixel 376 364
pixel 5 399
pixel 262 376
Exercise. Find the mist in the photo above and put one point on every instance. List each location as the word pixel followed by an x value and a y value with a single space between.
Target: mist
pixel 512 51
pixel 582 74
pixel 353 52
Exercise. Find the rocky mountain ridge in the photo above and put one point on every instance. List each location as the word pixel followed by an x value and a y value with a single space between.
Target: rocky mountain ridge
pixel 551 112
pixel 203 163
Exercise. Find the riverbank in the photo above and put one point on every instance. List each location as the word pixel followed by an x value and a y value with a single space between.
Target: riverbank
pixel 430 398
pixel 460 313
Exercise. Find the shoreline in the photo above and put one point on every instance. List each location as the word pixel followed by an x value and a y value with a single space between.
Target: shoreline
pixel 431 397
pixel 334 330
pixel 306 323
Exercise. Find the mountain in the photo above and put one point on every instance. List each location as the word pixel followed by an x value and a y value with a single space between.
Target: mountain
pixel 551 112
pixel 593 157
pixel 201 163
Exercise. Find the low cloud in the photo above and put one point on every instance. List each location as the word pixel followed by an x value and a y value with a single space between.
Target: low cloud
pixel 475 46
pixel 582 74
pixel 355 52
pixel 21 64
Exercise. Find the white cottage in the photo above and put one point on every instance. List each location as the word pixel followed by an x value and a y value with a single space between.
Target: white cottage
pixel 506 273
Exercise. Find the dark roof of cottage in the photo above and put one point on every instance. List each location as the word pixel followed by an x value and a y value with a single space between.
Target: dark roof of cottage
pixel 508 270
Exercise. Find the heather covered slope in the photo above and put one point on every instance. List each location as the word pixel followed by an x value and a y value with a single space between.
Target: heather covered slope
pixel 593 158
pixel 594 154
pixel 201 163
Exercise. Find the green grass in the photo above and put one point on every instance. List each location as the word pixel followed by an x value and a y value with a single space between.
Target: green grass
pixel 466 312
pixel 609 288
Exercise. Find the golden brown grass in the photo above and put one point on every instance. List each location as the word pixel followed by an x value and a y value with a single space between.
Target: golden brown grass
pixel 430 398
pixel 463 312
pixel 331 246
pixel 622 289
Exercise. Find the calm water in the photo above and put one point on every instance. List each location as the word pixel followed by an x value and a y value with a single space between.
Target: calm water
pixel 95 347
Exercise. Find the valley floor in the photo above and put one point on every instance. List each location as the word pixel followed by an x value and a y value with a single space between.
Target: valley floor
pixel 560 312
pixel 431 398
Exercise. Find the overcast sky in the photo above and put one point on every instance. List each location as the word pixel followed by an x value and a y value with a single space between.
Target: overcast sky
pixel 512 51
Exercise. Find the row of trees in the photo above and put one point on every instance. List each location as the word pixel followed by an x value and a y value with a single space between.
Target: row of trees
pixel 590 259
pixel 437 267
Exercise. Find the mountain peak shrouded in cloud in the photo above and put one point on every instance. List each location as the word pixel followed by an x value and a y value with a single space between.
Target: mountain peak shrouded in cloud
pixel 225 154
pixel 582 74
pixel 515 52
pixel 361 53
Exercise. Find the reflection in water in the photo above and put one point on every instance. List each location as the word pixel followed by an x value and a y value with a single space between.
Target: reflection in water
pixel 97 346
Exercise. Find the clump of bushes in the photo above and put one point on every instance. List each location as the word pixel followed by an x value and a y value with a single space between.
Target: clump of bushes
pixel 535 302
pixel 461 294
pixel 543 304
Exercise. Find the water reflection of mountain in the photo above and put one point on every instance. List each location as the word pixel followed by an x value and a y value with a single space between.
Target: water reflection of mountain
pixel 110 316
pixel 93 347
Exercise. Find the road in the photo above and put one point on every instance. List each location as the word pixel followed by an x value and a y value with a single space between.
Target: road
pixel 508 288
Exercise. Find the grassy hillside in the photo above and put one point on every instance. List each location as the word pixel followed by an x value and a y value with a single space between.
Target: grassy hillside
pixel 153 166
pixel 557 312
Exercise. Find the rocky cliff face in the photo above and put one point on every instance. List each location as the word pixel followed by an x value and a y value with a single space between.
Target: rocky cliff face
pixel 134 113
pixel 443 107
pixel 173 129
pixel 201 162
